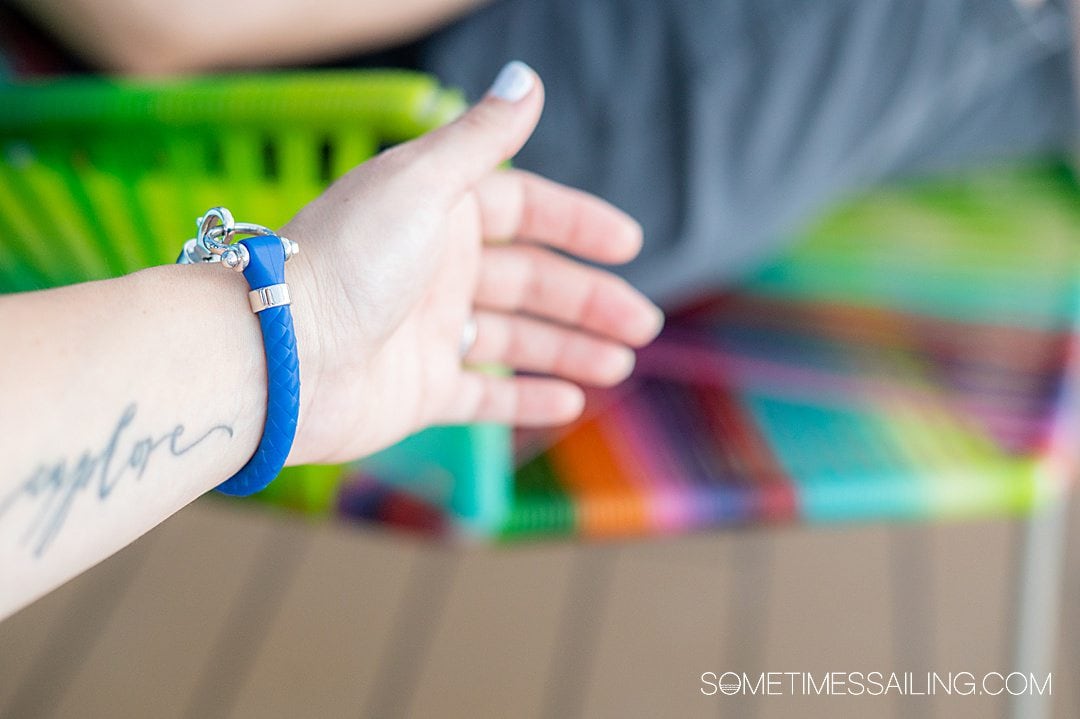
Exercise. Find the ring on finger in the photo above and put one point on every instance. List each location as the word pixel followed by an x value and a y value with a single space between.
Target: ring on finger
pixel 468 336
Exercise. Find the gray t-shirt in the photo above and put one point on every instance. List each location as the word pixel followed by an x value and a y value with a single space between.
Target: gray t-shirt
pixel 724 124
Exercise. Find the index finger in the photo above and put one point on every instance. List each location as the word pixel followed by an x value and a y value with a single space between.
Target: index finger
pixel 515 204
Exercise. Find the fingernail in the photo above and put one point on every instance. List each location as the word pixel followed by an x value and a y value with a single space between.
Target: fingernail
pixel 659 318
pixel 655 324
pixel 513 82
pixel 575 403
pixel 624 363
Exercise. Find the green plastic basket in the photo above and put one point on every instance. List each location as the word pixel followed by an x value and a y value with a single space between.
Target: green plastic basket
pixel 99 178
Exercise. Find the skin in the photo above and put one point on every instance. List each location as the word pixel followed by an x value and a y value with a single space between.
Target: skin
pixel 124 402
pixel 152 37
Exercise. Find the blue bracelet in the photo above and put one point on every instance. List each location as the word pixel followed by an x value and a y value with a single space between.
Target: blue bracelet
pixel 262 260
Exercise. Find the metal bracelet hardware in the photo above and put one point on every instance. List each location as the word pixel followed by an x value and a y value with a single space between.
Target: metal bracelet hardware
pixel 271 296
pixel 215 240
pixel 261 258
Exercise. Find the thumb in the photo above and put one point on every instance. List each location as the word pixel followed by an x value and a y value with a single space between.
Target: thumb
pixel 456 156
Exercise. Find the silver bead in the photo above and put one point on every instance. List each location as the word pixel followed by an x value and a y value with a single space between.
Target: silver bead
pixel 236 258
pixel 291 248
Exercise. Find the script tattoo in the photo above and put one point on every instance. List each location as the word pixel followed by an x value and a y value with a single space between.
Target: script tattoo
pixel 56 485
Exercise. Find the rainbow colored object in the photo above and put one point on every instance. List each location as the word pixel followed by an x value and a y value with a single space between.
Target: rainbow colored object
pixel 912 357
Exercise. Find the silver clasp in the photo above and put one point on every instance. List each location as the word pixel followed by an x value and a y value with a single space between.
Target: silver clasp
pixel 216 241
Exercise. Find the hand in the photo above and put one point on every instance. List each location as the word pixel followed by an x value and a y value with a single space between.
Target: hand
pixel 399 253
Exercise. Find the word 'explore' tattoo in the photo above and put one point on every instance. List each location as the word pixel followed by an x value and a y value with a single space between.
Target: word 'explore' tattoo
pixel 125 455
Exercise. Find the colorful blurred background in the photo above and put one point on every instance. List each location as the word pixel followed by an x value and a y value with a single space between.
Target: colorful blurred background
pixel 854 454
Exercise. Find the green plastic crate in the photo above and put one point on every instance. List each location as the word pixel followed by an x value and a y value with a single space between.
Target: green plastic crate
pixel 101 177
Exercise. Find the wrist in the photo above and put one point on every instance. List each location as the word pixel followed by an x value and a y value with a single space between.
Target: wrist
pixel 218 345
pixel 301 277
pixel 260 256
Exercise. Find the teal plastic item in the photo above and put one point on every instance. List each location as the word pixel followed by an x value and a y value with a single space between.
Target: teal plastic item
pixel 103 177
pixel 431 467
pixel 913 357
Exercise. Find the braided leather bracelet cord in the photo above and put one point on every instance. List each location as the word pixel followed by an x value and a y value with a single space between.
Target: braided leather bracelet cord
pixel 262 259
pixel 267 268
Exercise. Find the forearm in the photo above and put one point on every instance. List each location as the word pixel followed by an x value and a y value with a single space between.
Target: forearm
pixel 158 37
pixel 122 401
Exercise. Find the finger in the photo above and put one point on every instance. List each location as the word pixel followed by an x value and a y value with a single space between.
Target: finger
pixel 531 345
pixel 515 204
pixel 516 278
pixel 450 160
pixel 520 401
